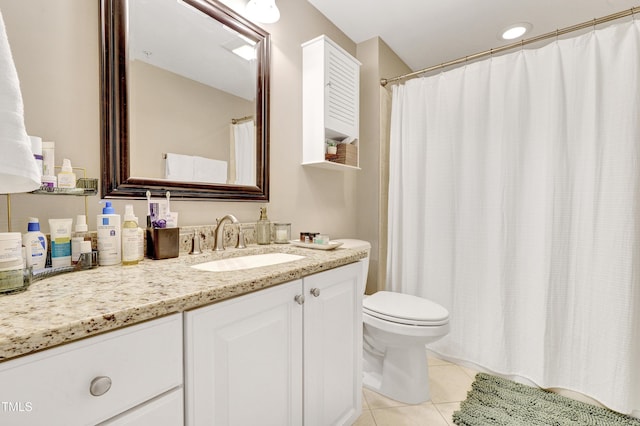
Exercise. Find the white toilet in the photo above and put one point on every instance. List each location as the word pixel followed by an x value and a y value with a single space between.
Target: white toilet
pixel 396 328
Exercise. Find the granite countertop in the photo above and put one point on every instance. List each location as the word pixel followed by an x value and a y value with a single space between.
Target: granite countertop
pixel 75 305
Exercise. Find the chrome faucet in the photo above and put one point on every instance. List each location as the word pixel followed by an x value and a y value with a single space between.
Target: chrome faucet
pixel 219 232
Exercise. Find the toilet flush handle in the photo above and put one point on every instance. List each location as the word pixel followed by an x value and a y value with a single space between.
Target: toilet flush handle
pixel 315 291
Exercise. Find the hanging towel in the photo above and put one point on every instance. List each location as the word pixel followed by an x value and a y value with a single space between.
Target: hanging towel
pixel 190 168
pixel 209 170
pixel 179 167
pixel 18 168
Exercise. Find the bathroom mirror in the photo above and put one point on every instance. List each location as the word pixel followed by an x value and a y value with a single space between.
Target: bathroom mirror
pixel 185 101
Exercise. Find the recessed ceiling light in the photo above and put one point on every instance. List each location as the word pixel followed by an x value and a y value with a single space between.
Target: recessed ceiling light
pixel 515 31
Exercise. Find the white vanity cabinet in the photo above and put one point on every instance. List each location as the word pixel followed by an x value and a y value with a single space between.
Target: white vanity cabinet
pixel 330 104
pixel 129 376
pixel 287 355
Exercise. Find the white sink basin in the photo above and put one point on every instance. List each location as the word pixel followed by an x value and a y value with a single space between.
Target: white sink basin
pixel 247 262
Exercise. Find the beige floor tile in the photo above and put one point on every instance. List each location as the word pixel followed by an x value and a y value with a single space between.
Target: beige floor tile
pixel 365 404
pixel 447 409
pixel 433 360
pixel 411 415
pixel 365 419
pixel 470 372
pixel 448 383
pixel 375 400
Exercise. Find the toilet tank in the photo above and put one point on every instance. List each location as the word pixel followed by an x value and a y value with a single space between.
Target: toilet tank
pixel 349 243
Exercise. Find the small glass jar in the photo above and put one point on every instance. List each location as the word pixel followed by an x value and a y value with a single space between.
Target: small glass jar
pixel 283 232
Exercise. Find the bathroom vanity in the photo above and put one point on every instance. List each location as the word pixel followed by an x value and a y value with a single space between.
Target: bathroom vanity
pixel 164 343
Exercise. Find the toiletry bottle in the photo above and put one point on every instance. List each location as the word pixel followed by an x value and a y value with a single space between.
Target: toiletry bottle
pixel 263 228
pixel 77 239
pixel 130 238
pixel 109 244
pixel 66 178
pixel 60 231
pixel 36 244
pixel 48 158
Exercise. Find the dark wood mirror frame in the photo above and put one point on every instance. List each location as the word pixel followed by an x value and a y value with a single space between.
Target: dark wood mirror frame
pixel 115 154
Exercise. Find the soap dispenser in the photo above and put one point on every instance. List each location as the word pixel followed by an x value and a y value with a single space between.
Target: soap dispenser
pixel 263 228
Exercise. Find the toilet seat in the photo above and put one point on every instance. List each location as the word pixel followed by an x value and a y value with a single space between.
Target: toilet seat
pixel 405 309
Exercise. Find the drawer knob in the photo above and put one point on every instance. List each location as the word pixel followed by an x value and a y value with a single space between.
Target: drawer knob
pixel 100 385
pixel 299 299
pixel 315 291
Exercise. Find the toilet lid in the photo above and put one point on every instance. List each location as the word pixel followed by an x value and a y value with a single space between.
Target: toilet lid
pixel 405 309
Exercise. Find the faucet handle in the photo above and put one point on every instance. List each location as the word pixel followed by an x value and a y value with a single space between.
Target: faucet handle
pixel 195 244
pixel 240 244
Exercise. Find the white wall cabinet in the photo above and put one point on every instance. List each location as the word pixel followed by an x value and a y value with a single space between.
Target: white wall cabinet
pixel 95 379
pixel 287 355
pixel 330 101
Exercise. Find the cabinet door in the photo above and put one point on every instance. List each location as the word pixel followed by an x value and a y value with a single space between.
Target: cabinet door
pixel 244 360
pixel 333 346
pixel 342 93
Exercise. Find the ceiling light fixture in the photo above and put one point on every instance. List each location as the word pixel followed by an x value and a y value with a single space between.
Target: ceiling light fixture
pixel 263 11
pixel 515 31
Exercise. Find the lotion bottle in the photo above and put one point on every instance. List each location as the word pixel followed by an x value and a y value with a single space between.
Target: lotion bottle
pixel 36 244
pixel 130 246
pixel 109 238
pixel 263 228
pixel 66 177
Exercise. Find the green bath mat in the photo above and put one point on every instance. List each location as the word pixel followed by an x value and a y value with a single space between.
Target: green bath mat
pixel 493 401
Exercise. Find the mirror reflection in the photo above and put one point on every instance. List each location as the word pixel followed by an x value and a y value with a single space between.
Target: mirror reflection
pixel 194 116
pixel 193 99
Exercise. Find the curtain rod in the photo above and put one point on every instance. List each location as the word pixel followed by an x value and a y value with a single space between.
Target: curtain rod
pixel 240 120
pixel 523 42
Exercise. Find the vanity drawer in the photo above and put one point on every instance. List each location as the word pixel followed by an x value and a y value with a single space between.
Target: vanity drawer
pixel 54 386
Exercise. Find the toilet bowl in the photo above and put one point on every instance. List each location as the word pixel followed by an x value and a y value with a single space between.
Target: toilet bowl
pixel 396 329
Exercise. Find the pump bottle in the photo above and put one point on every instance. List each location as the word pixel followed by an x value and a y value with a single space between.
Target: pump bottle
pixel 109 237
pixel 130 238
pixel 263 228
pixel 36 244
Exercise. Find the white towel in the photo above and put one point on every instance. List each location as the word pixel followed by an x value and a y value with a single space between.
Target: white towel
pixel 189 168
pixel 209 170
pixel 18 168
pixel 179 167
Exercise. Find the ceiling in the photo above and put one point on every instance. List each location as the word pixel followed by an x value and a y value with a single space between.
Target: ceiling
pixel 424 33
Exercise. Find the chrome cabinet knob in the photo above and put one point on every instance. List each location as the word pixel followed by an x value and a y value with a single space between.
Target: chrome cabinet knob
pixel 315 291
pixel 299 299
pixel 100 385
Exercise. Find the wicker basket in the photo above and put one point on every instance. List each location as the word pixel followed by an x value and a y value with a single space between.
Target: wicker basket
pixel 347 154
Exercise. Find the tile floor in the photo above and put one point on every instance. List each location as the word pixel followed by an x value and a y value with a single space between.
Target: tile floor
pixel 449 384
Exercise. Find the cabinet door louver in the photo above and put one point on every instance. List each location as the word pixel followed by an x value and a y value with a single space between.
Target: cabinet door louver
pixel 342 91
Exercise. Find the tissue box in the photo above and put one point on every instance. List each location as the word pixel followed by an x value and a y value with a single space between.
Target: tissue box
pixel 163 243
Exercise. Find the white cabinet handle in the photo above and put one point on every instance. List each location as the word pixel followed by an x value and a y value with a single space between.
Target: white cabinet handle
pixel 315 291
pixel 100 385
pixel 299 299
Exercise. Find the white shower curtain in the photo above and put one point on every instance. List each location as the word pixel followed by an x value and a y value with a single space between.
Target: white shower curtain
pixel 514 201
pixel 245 152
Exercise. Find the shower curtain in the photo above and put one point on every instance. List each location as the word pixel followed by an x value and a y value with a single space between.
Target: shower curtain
pixel 244 143
pixel 514 201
